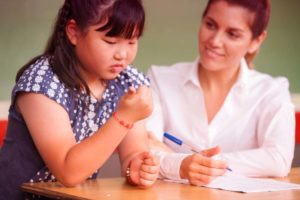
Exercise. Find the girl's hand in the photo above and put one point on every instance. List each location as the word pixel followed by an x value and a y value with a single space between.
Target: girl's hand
pixel 144 169
pixel 135 104
pixel 201 168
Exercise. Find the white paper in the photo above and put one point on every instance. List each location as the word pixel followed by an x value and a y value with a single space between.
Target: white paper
pixel 238 183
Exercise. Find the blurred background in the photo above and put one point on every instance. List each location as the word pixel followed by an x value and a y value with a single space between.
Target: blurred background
pixel 170 36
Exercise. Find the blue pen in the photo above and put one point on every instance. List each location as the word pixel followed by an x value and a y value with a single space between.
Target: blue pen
pixel 179 142
pixel 183 145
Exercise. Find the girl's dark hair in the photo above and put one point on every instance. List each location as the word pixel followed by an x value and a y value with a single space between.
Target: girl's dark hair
pixel 260 8
pixel 124 18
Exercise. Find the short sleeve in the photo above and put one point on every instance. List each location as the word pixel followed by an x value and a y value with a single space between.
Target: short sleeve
pixel 40 79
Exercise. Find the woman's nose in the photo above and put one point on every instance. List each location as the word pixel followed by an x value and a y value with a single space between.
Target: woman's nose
pixel 216 39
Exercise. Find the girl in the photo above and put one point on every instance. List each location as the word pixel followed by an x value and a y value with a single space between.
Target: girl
pixel 218 101
pixel 76 103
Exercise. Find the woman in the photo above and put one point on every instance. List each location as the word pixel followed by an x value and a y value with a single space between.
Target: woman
pixel 218 103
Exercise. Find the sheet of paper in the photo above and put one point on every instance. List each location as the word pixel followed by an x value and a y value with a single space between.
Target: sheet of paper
pixel 237 183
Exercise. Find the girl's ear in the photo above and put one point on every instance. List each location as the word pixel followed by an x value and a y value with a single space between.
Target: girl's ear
pixel 256 43
pixel 72 31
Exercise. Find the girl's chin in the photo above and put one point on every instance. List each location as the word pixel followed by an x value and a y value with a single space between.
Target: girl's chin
pixel 110 76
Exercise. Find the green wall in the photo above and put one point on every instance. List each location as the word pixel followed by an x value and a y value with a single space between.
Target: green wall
pixel 170 36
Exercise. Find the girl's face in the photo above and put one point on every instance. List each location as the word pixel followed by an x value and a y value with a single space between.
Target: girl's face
pixel 225 36
pixel 101 56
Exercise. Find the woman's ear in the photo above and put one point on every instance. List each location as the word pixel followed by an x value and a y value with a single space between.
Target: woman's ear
pixel 72 31
pixel 256 43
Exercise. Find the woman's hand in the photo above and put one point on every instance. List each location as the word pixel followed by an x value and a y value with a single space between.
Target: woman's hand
pixel 201 168
pixel 135 104
pixel 144 170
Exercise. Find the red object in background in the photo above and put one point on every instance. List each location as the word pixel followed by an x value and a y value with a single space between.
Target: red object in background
pixel 3 126
pixel 298 127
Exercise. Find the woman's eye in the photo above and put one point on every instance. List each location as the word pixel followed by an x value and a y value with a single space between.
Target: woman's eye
pixel 210 25
pixel 233 35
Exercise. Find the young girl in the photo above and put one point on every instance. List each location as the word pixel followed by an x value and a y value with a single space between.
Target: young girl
pixel 76 103
pixel 218 100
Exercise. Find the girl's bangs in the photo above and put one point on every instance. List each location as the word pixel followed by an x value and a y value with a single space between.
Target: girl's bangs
pixel 125 21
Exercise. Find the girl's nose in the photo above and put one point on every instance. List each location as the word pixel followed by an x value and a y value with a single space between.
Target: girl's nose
pixel 121 54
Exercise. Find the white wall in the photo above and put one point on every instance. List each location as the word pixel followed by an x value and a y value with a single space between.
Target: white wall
pixel 296 101
pixel 4 106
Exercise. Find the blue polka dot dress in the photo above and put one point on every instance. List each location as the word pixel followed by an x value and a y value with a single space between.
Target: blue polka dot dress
pixel 86 113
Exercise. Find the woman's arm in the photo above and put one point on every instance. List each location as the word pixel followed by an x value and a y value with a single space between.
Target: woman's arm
pixel 276 138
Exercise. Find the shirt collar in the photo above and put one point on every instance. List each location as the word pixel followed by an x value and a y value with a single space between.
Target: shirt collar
pixel 191 74
pixel 242 82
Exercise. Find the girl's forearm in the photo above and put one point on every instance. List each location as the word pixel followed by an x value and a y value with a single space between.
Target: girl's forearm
pixel 86 157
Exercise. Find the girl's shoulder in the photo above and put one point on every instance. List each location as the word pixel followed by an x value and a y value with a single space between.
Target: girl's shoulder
pixel 39 78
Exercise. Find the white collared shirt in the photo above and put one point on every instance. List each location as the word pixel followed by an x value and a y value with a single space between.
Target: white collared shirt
pixel 255 126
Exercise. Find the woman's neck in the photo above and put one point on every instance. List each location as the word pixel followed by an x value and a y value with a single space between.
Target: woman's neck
pixel 216 86
pixel 217 80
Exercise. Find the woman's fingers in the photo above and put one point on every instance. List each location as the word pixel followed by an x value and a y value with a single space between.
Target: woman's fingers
pixel 211 152
pixel 200 179
pixel 199 159
pixel 202 175
pixel 199 169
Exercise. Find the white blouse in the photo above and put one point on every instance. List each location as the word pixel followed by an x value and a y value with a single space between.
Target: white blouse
pixel 255 126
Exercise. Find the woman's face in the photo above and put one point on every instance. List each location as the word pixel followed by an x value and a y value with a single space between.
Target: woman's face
pixel 225 36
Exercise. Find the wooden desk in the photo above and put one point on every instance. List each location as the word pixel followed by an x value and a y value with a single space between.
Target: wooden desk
pixel 116 188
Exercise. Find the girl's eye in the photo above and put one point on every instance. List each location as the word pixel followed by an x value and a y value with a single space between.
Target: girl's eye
pixel 110 41
pixel 132 42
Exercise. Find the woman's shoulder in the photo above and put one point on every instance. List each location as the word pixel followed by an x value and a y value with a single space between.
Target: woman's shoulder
pixel 269 88
pixel 267 81
pixel 171 75
pixel 167 70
